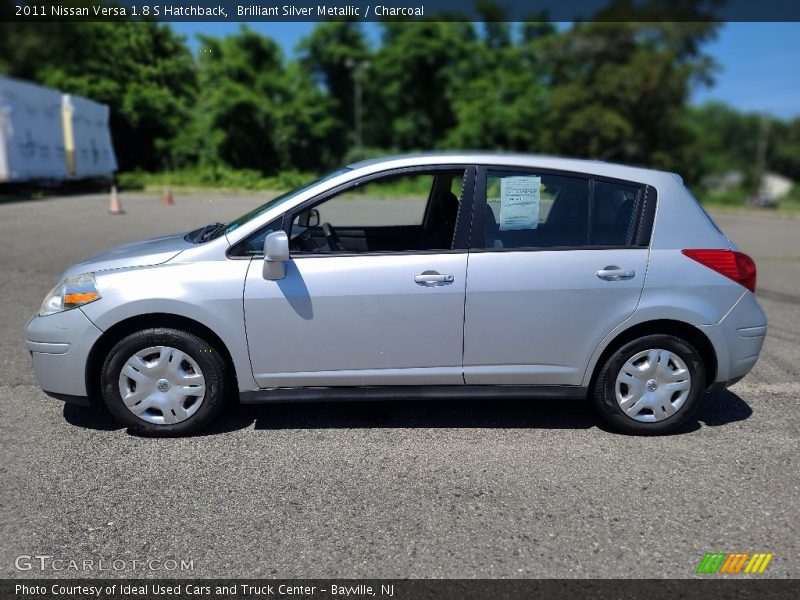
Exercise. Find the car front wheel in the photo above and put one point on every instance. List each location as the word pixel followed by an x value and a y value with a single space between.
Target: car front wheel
pixel 651 385
pixel 164 381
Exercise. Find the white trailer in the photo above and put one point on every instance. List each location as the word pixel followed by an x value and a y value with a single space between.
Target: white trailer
pixel 47 136
pixel 31 133
pixel 87 139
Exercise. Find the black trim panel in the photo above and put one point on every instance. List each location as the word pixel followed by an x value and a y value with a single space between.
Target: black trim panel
pixel 644 231
pixel 464 217
pixel 402 392
pixel 555 249
pixel 300 256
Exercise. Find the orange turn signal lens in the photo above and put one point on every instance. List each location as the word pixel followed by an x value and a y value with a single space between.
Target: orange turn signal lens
pixel 80 298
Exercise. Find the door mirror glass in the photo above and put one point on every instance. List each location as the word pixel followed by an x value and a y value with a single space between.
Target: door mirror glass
pixel 276 253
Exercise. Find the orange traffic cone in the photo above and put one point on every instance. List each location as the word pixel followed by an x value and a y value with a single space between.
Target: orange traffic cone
pixel 114 205
pixel 167 199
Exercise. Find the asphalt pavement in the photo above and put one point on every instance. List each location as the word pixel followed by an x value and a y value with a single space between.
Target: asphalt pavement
pixel 396 489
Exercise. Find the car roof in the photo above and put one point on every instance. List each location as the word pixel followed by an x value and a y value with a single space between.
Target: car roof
pixel 576 165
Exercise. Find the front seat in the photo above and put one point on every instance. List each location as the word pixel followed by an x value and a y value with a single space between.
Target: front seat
pixel 440 235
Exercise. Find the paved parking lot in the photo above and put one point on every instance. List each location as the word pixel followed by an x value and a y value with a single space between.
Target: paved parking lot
pixel 399 489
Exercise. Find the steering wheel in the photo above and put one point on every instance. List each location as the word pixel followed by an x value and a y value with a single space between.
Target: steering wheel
pixel 333 238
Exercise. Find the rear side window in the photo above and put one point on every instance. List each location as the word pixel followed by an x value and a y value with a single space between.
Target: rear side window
pixel 535 210
pixel 544 210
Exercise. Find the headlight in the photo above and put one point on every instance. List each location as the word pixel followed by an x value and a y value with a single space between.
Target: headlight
pixel 72 292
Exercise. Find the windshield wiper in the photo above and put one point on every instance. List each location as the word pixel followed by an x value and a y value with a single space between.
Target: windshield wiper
pixel 206 232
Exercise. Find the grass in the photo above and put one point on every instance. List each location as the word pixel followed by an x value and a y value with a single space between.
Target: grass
pixel 736 200
pixel 236 180
pixel 223 179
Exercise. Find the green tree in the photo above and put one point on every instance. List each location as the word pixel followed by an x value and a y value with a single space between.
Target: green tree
pixel 724 138
pixel 784 150
pixel 254 112
pixel 619 91
pixel 309 134
pixel 500 102
pixel 142 70
pixel 241 78
pixel 334 53
pixel 612 90
pixel 409 85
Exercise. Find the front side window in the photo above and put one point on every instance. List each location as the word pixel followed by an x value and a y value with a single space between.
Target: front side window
pixel 543 210
pixel 397 213
pixel 277 201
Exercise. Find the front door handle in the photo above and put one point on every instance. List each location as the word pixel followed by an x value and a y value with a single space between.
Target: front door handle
pixel 614 273
pixel 432 278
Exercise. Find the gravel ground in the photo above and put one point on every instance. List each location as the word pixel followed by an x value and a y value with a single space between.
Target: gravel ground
pixel 399 489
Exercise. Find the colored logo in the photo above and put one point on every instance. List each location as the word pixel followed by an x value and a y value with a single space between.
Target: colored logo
pixel 734 562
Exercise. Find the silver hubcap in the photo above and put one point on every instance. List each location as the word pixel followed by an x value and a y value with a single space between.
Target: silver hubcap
pixel 162 385
pixel 653 385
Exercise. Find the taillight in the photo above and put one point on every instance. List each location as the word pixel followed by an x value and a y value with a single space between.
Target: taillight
pixel 735 265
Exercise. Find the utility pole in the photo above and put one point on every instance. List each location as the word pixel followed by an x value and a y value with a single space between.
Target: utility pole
pixel 357 67
pixel 761 157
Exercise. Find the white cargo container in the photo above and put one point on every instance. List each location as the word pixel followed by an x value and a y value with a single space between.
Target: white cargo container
pixel 31 133
pixel 47 136
pixel 87 139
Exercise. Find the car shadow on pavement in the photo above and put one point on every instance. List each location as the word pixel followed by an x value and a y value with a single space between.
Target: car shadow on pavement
pixel 718 409
pixel 721 408
pixel 90 418
pixel 463 414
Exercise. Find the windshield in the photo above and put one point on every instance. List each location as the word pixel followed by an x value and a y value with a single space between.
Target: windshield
pixel 272 204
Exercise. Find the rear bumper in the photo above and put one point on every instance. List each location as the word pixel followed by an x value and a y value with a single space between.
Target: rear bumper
pixel 737 340
pixel 59 345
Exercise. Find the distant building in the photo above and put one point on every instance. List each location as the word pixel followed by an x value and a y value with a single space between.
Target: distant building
pixel 773 185
pixel 718 183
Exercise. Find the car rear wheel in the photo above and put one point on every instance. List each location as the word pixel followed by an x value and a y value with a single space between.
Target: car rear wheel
pixel 651 385
pixel 164 382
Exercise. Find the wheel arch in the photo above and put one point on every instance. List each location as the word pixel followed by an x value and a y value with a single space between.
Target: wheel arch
pixel 113 334
pixel 680 329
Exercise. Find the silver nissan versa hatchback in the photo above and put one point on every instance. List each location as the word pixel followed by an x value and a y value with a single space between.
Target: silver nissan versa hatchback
pixel 427 276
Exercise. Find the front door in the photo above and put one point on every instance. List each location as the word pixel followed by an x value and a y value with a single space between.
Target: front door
pixel 374 291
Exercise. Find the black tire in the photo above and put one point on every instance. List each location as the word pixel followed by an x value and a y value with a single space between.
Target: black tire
pixel 207 357
pixel 604 393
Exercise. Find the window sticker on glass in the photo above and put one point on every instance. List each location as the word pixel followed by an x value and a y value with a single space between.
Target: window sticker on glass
pixel 519 202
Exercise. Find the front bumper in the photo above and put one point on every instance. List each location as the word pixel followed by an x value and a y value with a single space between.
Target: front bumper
pixel 59 345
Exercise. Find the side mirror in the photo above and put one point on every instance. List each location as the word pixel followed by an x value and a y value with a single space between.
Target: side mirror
pixel 309 218
pixel 276 253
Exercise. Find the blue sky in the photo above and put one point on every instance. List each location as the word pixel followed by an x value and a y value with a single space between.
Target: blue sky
pixel 759 63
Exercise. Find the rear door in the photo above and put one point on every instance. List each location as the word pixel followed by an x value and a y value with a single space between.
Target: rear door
pixel 558 260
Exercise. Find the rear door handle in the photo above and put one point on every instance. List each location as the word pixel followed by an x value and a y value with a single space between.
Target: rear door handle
pixel 614 273
pixel 432 278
